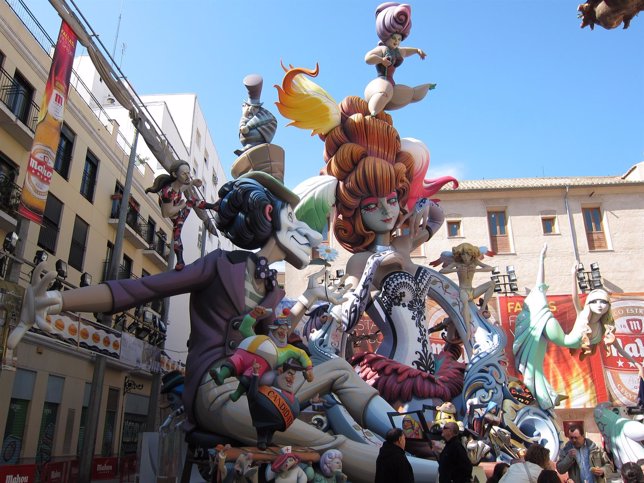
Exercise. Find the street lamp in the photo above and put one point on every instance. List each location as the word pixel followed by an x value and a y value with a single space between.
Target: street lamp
pixel 505 284
pixel 589 280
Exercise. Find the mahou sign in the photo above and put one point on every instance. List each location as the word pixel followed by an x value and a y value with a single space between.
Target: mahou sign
pixel 18 474
pixel 621 375
pixel 104 468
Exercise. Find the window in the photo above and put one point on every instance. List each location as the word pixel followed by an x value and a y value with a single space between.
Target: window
pixel 20 98
pixel 198 138
pixel 116 200
pixel 549 225
pixel 64 152
pixel 83 418
pixel 499 239
pixel 454 229
pixel 205 159
pixel 594 228
pixel 48 236
pixel 215 178
pixel 152 228
pixel 110 422
pixel 14 432
pixel 53 398
pixel 144 273
pixel 126 268
pixel 88 184
pixel 79 242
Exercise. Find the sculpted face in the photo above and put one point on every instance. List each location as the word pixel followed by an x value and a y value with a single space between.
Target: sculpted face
pixel 380 214
pixel 598 306
pixel 249 111
pixel 183 174
pixel 296 239
pixel 394 41
pixel 335 465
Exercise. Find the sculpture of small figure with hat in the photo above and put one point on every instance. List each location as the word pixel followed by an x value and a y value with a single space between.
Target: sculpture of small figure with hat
pixel 257 125
pixel 172 389
pixel 267 352
pixel 275 407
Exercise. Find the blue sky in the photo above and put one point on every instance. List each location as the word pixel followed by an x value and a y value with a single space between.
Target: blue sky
pixel 522 90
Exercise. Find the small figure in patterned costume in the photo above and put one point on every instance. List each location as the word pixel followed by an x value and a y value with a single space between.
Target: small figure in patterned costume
pixel 176 201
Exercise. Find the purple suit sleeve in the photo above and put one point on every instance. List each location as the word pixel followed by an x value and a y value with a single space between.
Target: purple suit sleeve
pixel 194 277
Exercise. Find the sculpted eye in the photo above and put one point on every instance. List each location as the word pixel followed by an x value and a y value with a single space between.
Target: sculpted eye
pixel 369 207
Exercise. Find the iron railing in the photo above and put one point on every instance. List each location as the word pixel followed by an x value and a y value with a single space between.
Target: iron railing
pixel 9 195
pixel 18 100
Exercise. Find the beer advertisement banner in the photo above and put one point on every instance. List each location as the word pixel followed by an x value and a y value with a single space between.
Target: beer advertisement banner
pixel 592 380
pixel 621 376
pixel 47 135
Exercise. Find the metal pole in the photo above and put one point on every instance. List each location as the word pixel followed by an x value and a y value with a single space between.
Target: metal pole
pixel 89 440
pixel 152 421
pixel 117 252
pixel 571 223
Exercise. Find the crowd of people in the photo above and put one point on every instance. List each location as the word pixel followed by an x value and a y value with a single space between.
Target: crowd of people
pixel 580 461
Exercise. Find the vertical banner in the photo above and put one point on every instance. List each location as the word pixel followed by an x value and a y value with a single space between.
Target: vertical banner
pixel 47 136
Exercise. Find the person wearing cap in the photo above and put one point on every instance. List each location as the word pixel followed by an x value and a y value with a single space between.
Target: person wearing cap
pixel 257 125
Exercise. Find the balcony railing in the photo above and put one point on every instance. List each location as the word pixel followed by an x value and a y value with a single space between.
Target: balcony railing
pixel 18 100
pixel 123 272
pixel 133 218
pixel 159 244
pixel 9 195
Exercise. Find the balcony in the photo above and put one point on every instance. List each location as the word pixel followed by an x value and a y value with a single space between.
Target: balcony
pixel 158 250
pixel 18 111
pixel 123 272
pixel 9 201
pixel 135 225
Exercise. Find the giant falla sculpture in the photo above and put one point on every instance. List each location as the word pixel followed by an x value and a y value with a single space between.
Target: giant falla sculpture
pixel 372 184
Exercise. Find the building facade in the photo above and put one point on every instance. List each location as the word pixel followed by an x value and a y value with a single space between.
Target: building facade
pixel 45 398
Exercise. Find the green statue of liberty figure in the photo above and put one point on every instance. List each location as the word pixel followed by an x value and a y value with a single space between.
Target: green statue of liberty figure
pixel 536 326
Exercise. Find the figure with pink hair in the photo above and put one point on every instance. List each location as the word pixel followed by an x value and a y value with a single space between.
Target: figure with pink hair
pixel 393 24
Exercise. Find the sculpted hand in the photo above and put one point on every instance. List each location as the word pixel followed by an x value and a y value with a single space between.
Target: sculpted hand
pixel 544 250
pixel 308 375
pixel 386 61
pixel 197 183
pixel 260 312
pixel 421 54
pixel 36 303
pixel 333 293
